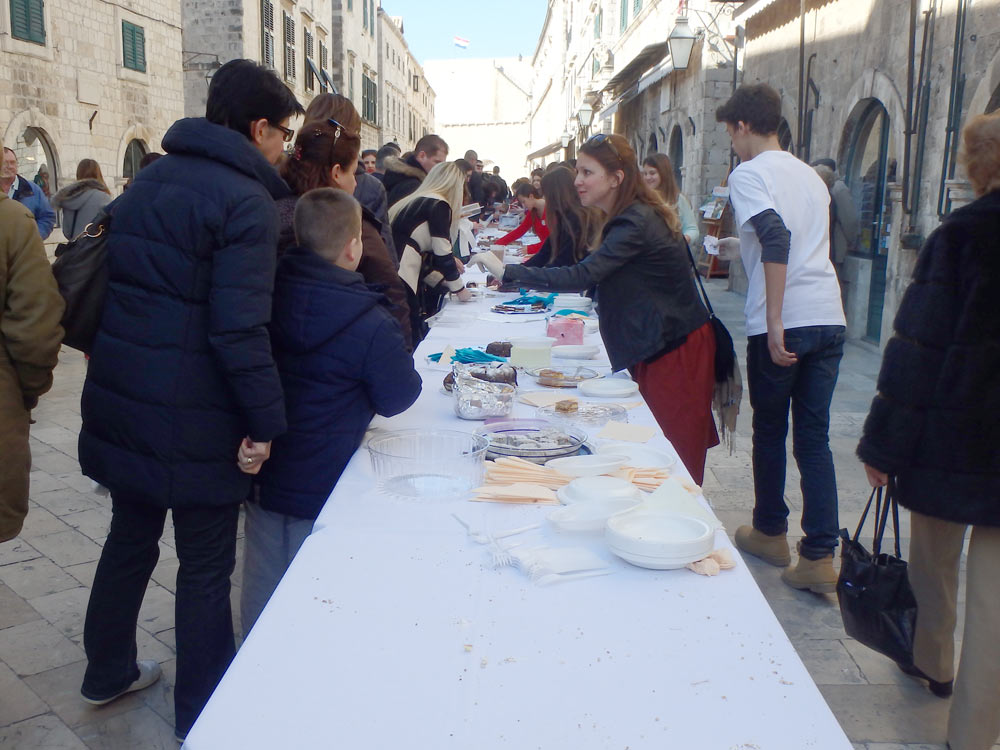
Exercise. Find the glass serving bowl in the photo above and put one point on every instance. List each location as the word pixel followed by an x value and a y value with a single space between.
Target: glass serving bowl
pixel 428 463
pixel 588 415
pixel 534 440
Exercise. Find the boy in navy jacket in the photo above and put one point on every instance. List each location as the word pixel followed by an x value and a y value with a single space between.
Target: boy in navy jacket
pixel 342 359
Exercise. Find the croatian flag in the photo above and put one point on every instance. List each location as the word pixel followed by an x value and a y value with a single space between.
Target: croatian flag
pixel 459 42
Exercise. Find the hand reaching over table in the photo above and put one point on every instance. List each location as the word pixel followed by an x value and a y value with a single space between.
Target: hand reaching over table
pixel 490 263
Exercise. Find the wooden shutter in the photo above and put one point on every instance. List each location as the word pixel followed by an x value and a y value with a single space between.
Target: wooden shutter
pixel 133 47
pixel 27 20
pixel 267 32
pixel 288 29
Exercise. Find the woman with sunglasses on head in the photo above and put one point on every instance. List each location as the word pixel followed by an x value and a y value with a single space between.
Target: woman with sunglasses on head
pixel 424 227
pixel 652 320
pixel 326 155
pixel 531 199
pixel 573 228
pixel 370 192
pixel 658 172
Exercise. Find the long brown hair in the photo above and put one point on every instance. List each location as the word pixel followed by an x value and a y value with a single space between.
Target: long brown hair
pixel 318 147
pixel 668 189
pixel 566 216
pixel 527 190
pixel 614 154
pixel 88 169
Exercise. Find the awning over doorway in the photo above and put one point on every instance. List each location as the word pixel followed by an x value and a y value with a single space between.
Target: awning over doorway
pixel 629 95
pixel 629 75
pixel 545 150
pixel 656 75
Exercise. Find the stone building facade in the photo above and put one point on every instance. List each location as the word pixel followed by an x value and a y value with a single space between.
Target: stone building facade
pixel 894 144
pixel 604 66
pixel 407 99
pixel 99 80
pixel 483 106
pixel 293 38
pixel 355 65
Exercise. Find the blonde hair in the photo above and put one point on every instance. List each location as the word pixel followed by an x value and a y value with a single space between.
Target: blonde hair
pixel 981 152
pixel 446 182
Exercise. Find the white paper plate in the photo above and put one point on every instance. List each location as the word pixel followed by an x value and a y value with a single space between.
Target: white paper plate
pixel 595 488
pixel 639 456
pixel 586 466
pixel 574 351
pixel 609 388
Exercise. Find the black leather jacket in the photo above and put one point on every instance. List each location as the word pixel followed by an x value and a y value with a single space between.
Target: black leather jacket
pixel 645 286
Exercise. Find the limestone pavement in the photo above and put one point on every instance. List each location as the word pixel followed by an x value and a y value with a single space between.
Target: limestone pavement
pixel 45 575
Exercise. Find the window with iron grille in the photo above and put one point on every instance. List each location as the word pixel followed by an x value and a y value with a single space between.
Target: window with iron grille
pixel 624 15
pixel 288 32
pixel 27 20
pixel 133 47
pixel 598 23
pixel 267 32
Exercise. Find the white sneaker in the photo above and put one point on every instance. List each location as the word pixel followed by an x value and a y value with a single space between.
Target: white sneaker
pixel 149 672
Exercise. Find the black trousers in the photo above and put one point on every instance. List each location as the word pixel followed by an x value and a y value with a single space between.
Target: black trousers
pixel 206 550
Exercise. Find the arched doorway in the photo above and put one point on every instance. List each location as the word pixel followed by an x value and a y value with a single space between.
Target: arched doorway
pixel 676 153
pixel 654 144
pixel 36 158
pixel 870 169
pixel 784 135
pixel 134 152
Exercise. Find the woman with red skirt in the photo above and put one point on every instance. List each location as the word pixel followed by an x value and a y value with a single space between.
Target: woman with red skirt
pixel 652 319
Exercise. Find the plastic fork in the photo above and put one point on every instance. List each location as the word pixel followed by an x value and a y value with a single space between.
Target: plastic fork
pixel 483 538
pixel 551 578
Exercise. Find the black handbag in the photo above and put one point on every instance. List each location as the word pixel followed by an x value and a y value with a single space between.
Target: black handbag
pixel 725 351
pixel 81 271
pixel 876 601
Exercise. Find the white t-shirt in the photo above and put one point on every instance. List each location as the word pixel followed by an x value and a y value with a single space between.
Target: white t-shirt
pixel 779 181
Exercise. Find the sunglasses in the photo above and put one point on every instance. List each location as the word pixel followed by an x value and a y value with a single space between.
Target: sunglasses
pixel 600 138
pixel 286 133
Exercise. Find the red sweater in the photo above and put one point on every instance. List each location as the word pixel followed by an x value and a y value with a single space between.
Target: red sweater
pixel 531 221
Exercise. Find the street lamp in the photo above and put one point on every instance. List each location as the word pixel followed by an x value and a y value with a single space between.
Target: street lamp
pixel 564 139
pixel 680 43
pixel 585 116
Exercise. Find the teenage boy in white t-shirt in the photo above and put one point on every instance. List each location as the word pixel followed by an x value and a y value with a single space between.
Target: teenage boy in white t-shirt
pixel 795 336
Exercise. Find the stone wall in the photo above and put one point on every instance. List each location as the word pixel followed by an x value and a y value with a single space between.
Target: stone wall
pixel 72 98
pixel 860 54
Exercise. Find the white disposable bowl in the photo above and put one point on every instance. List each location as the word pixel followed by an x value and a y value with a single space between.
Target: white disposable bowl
pixel 586 466
pixel 653 562
pixel 596 488
pixel 660 534
pixel 575 351
pixel 590 515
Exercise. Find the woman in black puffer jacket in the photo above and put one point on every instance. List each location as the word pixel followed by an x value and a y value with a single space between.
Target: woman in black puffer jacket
pixel 935 426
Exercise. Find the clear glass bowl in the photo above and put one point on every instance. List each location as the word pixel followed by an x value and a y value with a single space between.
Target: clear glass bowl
pixel 504 436
pixel 587 415
pixel 428 463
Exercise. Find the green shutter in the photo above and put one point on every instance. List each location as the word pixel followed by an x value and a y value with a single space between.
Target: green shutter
pixel 27 20
pixel 133 47
pixel 636 6
pixel 598 22
pixel 364 7
pixel 624 14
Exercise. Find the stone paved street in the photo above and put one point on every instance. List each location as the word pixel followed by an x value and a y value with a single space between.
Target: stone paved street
pixel 45 576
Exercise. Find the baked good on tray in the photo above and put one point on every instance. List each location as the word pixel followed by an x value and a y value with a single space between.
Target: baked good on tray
pixel 498 348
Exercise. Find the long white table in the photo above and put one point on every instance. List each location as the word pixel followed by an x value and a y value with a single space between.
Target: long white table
pixel 391 629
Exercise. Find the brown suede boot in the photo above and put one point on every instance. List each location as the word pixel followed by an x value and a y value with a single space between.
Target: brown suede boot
pixel 770 549
pixel 817 576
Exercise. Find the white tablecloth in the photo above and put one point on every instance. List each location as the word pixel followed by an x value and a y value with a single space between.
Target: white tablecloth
pixel 392 629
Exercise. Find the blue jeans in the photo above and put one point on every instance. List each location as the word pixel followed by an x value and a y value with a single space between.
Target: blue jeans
pixel 808 386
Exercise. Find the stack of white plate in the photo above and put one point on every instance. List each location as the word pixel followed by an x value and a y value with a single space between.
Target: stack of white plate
pixel 586 489
pixel 573 302
pixel 658 540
